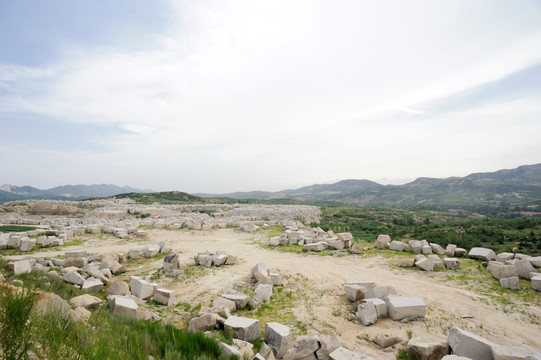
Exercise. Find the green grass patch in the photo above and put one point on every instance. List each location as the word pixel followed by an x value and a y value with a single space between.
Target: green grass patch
pixel 16 228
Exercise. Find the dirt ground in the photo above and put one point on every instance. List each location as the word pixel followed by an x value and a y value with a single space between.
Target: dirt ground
pixel 322 279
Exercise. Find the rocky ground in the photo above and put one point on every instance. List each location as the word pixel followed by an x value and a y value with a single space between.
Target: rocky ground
pixel 312 299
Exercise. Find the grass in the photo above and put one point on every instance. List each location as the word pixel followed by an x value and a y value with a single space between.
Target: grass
pixel 16 228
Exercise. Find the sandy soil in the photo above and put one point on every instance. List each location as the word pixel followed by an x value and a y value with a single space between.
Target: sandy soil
pixel 323 278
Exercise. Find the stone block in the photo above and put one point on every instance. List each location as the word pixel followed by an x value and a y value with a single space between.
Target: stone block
pixel 152 250
pixel 77 262
pixel 437 249
pixel 136 252
pixel 501 352
pixel 27 245
pixel 367 313
pixel 427 348
pixel 92 285
pixel 450 250
pixel 263 292
pixel 451 263
pixel 380 292
pixel 276 279
pixel 142 288
pixel 425 264
pixel 402 307
pixel 382 242
pixel 416 246
pixel 279 338
pixel 381 306
pixel 118 288
pixel 464 343
pixel 505 256
pixel 398 245
pixel 243 328
pixel 342 353
pixel 318 246
pixel 74 278
pixel 86 301
pixel 536 283
pixel 220 302
pixel 406 262
pixel 354 292
pixel 427 249
pixel 535 261
pixel 499 270
pixel 481 253
pixel 241 300
pixel 20 267
pixel 524 268
pixel 202 323
pixel 435 259
pixel 164 296
pixel 511 283
pixel 170 263
pixel 124 306
pixel 75 254
pixel 460 252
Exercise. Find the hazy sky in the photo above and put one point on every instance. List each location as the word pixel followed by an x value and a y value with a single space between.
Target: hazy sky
pixel 214 96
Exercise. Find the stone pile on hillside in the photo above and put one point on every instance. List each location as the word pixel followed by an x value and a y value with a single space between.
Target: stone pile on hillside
pixel 373 302
pixel 313 239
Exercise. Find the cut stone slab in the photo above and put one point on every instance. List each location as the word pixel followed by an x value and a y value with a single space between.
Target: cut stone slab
pixel 455 357
pixel 524 268
pixel 385 342
pixel 221 302
pixel 451 263
pixel 164 296
pixel 304 347
pixel 243 328
pixel 75 254
pixel 398 245
pixel 402 307
pixel 428 348
pixel 499 270
pixel 77 262
pixel 74 278
pixel 435 259
pixel 279 338
pixel 367 313
pixel 20 267
pixel 482 254
pixel 381 306
pixel 354 292
pixel 318 246
pixel 464 343
pixel 380 292
pixel 425 264
pixel 241 300
pixel 501 352
pixel 27 245
pixel 92 285
pixel 511 283
pixel 118 288
pixel 436 248
pixel 263 292
pixel 124 306
pixel 86 301
pixel 505 256
pixel 382 242
pixel 202 323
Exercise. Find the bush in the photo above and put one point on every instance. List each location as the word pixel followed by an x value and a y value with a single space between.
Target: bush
pixel 15 333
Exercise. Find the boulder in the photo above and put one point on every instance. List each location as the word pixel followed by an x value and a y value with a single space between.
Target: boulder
pixel 356 249
pixel 427 348
pixel 367 313
pixel 380 292
pixel 92 285
pixel 74 278
pixel 416 246
pixel 20 267
pixel 481 253
pixel 460 252
pixel 499 270
pixel 243 328
pixel 505 256
pixel 384 342
pixel 397 245
pixel 511 283
pixel 304 346
pixel 164 296
pixel 451 263
pixel 276 279
pixel 402 307
pixel 464 343
pixel 425 264
pixel 118 288
pixel 263 292
pixel 382 242
pixel 86 301
pixel 279 338
pixel 535 261
pixel 342 353
pixel 202 323
pixel 427 249
pixel 524 268
pixel 170 262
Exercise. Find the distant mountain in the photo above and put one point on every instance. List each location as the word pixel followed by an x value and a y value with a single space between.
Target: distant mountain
pixel 65 192
pixel 479 191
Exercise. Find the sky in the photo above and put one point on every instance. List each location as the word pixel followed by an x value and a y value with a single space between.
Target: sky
pixel 223 96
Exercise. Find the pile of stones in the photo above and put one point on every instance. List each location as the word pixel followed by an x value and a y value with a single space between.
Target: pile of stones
pixel 313 239
pixel 373 302
pixel 464 345
pixel 148 251
pixel 26 240
pixel 209 259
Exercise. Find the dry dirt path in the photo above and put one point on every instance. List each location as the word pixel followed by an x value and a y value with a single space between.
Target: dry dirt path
pixel 323 278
